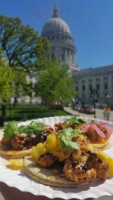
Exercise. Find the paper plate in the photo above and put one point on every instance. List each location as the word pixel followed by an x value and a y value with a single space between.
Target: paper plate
pixel 19 180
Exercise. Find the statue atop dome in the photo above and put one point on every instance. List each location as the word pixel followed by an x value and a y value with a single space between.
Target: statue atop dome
pixel 55 11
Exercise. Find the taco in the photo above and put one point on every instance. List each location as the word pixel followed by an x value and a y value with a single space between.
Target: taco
pixel 49 176
pixel 64 162
pixel 98 133
pixel 18 140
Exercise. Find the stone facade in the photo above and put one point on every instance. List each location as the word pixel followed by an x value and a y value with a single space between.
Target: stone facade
pixel 95 84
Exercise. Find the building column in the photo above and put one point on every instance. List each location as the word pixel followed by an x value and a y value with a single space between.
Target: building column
pixel 64 55
pixel 69 56
pixel 73 57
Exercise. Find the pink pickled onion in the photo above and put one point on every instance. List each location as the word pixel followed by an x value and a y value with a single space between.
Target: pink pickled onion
pixel 98 131
pixel 109 131
pixel 86 127
pixel 103 123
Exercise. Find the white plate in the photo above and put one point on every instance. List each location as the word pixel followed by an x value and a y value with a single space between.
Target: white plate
pixel 17 178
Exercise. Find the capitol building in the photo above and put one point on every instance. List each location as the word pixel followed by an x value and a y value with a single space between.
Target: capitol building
pixel 91 83
pixel 58 33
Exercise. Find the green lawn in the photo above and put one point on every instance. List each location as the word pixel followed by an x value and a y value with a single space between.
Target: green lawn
pixel 22 113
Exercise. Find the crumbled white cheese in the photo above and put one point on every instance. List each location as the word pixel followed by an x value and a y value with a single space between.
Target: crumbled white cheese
pixel 23 134
pixel 33 135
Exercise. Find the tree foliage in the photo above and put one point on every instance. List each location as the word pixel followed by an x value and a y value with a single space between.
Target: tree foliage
pixel 20 83
pixel 55 84
pixel 21 45
pixel 22 49
pixel 6 84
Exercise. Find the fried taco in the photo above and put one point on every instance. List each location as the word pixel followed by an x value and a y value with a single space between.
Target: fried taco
pixel 18 140
pixel 63 160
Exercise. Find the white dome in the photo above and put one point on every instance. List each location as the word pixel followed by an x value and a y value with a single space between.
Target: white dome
pixel 56 25
pixel 58 33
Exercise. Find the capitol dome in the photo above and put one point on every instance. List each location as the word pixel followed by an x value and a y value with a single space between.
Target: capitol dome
pixel 62 46
pixel 56 25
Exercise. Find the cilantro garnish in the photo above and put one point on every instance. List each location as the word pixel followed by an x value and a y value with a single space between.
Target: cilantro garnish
pixel 37 126
pixel 76 121
pixel 13 129
pixel 66 137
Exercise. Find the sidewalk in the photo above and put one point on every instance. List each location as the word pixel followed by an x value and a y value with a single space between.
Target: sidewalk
pixel 99 113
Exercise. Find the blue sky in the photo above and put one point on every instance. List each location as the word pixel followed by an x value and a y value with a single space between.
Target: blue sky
pixel 90 21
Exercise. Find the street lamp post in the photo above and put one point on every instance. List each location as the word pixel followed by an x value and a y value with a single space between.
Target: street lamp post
pixel 94 103
pixel 108 98
pixel 94 94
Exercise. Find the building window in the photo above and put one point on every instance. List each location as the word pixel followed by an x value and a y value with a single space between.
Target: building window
pixel 90 87
pixel 105 78
pixel 90 80
pixel 77 89
pixel 52 55
pixel 105 86
pixel 98 95
pixel 83 81
pixel 62 57
pixel 83 87
pixel 97 79
pixel 105 94
pixel 98 86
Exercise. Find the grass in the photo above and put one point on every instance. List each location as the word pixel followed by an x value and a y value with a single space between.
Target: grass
pixel 22 113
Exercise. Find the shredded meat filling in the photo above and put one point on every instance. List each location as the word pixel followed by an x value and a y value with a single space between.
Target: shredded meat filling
pixel 21 143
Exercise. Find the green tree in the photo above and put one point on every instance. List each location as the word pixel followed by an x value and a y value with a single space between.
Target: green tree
pixel 6 86
pixel 20 83
pixel 2 62
pixel 23 50
pixel 55 84
pixel 29 90
pixel 21 45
